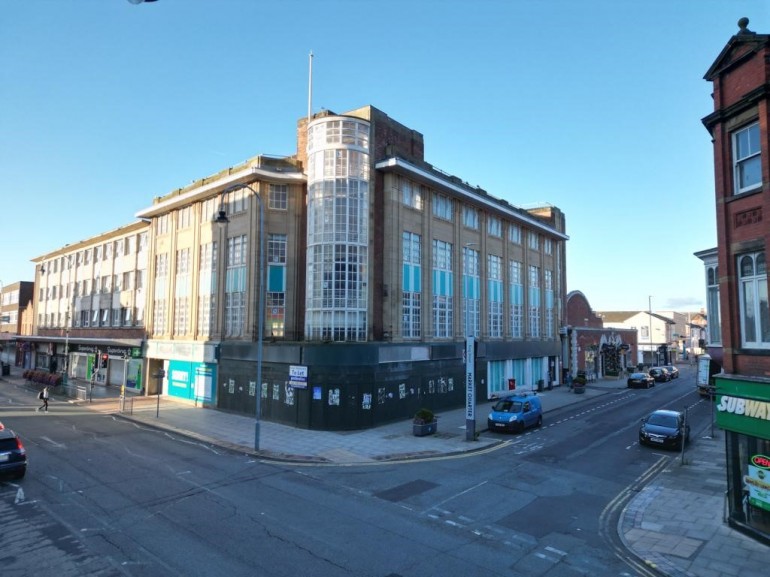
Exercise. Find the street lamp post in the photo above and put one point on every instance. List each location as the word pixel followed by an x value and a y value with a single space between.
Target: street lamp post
pixel 67 321
pixel 222 218
pixel 470 356
pixel 649 328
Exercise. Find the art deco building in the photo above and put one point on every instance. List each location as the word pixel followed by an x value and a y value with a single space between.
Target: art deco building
pixel 375 264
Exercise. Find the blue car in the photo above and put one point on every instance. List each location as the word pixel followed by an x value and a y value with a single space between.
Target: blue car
pixel 514 413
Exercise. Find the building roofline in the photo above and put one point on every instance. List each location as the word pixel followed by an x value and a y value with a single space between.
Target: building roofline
pixel 445 182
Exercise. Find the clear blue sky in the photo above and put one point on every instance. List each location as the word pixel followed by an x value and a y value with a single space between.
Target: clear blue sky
pixel 593 106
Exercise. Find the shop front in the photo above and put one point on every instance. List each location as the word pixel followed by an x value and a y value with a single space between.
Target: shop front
pixel 743 411
pixel 105 362
pixel 107 365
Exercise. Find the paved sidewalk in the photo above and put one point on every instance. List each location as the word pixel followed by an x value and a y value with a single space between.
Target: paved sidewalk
pixel 675 524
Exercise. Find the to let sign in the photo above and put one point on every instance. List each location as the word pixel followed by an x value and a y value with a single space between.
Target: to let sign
pixel 298 376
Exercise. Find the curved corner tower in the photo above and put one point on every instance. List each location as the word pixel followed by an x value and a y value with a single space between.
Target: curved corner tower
pixel 337 229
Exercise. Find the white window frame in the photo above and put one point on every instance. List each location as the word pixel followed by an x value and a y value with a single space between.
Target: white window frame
pixel 746 155
pixel 714 327
pixel 754 315
pixel 278 197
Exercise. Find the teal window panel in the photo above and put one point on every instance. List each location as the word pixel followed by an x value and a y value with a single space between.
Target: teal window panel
pixel 471 287
pixel 276 278
pixel 495 291
pixel 442 283
pixel 411 278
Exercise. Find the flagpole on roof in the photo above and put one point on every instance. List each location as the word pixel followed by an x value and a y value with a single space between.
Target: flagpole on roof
pixel 310 89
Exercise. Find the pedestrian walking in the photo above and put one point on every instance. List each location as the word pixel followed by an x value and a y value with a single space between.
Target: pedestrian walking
pixel 43 396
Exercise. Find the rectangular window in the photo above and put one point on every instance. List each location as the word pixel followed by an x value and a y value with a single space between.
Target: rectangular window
pixel 410 193
pixel 712 305
pixel 516 288
pixel 514 233
pixel 442 289
pixel 534 301
pixel 235 286
pixel 160 304
pixel 411 285
pixel 207 288
pixel 237 201
pixel 494 226
pixel 495 295
pixel 184 217
pixel 210 210
pixel 471 292
pixel 747 168
pixel 278 197
pixel 755 314
pixel 182 292
pixel 549 303
pixel 442 206
pixel 471 217
pixel 547 246
pixel 275 298
pixel 275 317
pixel 161 224
pixel 534 240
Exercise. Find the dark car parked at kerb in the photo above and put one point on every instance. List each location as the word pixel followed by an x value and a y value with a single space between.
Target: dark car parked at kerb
pixel 640 381
pixel 664 429
pixel 13 456
pixel 672 370
pixel 660 374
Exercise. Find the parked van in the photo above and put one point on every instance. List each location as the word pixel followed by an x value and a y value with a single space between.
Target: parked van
pixel 516 413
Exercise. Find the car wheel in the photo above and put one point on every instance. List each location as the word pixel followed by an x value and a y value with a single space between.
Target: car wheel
pixel 20 476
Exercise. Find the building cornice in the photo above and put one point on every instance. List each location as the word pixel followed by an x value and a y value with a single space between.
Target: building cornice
pixel 448 184
pixel 184 197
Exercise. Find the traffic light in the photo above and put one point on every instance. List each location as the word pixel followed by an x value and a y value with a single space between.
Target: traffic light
pixel 103 360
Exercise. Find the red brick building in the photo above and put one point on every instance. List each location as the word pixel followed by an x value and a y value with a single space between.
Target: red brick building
pixel 592 348
pixel 739 127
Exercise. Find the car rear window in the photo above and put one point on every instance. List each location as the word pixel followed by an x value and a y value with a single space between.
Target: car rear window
pixel 7 444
